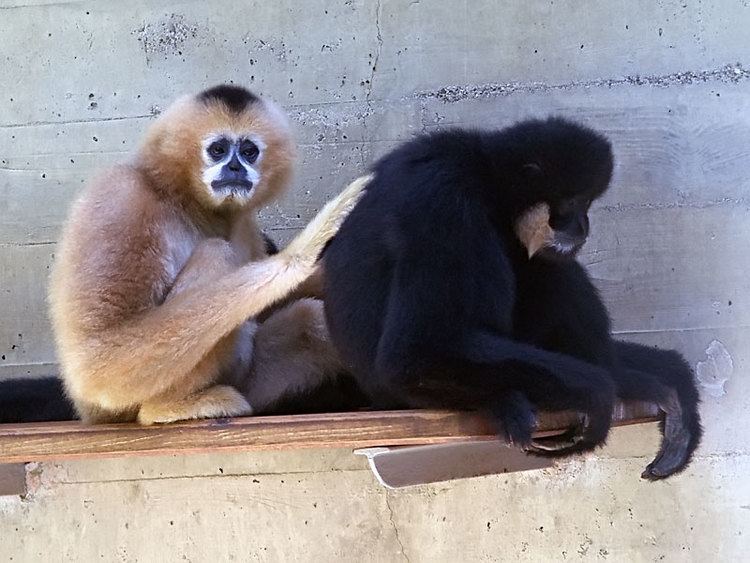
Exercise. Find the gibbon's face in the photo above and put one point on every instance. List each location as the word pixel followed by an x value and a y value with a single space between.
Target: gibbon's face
pixel 225 148
pixel 231 166
pixel 564 168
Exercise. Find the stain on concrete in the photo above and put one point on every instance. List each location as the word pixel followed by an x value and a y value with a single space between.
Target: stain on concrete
pixel 716 370
pixel 731 73
pixel 686 204
pixel 168 36
pixel 276 47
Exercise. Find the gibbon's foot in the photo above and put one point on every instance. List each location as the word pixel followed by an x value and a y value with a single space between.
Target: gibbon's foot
pixel 215 402
pixel 677 442
pixel 517 417
pixel 573 440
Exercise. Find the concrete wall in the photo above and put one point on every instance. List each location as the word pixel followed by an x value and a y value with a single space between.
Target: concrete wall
pixel 664 79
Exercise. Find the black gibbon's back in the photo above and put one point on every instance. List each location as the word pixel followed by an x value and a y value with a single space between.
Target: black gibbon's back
pixel 422 285
pixel 34 400
pixel 439 212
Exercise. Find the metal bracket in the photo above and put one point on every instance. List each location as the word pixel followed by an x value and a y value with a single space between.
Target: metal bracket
pixel 404 466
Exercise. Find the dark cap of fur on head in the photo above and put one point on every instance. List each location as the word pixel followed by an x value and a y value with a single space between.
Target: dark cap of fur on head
pixel 236 98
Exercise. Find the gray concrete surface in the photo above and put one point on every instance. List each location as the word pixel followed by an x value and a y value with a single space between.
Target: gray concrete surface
pixel 668 81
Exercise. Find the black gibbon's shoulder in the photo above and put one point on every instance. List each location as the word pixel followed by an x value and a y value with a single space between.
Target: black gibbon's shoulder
pixel 235 98
pixel 436 148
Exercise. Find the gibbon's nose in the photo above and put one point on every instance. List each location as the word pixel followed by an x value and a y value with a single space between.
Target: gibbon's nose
pixel 234 164
pixel 574 225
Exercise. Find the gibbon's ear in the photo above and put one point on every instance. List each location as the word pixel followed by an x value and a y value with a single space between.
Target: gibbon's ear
pixel 532 169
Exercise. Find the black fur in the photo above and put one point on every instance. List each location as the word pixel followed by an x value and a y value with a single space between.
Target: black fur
pixel 34 400
pixel 337 394
pixel 236 98
pixel 271 247
pixel 433 301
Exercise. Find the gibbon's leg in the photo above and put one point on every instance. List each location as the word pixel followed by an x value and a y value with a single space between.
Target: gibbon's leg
pixel 292 355
pixel 94 414
pixel 217 401
pixel 211 260
pixel 152 353
pixel 510 378
pixel 481 369
pixel 198 396
pixel 662 376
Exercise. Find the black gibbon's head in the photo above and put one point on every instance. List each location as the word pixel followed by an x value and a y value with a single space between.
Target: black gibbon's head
pixel 561 168
pixel 225 148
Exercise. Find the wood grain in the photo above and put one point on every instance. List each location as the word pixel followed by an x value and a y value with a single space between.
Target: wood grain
pixel 73 440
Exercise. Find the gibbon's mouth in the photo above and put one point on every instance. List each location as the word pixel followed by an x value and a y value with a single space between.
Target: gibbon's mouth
pixel 232 186
pixel 560 250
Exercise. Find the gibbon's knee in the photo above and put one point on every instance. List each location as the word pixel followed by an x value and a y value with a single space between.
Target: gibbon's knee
pixel 408 376
pixel 301 322
pixel 293 355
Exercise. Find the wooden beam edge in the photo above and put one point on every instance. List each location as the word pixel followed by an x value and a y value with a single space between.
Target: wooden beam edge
pixel 74 440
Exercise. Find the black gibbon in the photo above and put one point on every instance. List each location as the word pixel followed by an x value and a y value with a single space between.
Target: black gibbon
pixel 162 270
pixel 453 284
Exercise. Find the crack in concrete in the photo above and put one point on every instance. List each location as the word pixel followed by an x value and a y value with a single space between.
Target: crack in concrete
pixel 75 121
pixel 371 82
pixel 395 528
pixel 378 50
pixel 676 329
pixel 730 73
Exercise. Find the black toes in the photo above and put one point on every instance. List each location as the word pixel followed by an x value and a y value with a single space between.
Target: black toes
pixel 516 417
pixel 519 429
pixel 569 442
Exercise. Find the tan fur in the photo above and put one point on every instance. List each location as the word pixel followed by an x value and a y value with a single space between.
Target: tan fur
pixel 275 372
pixel 533 229
pixel 155 287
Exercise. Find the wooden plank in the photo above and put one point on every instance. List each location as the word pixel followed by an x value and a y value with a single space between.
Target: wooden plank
pixel 73 440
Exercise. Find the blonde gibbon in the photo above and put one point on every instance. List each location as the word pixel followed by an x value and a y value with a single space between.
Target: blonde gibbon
pixel 163 269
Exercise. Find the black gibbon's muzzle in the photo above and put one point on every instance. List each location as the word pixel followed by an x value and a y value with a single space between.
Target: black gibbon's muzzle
pixel 238 183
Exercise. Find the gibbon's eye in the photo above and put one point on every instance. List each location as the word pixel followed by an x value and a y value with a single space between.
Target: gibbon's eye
pixel 249 151
pixel 217 150
pixel 564 207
